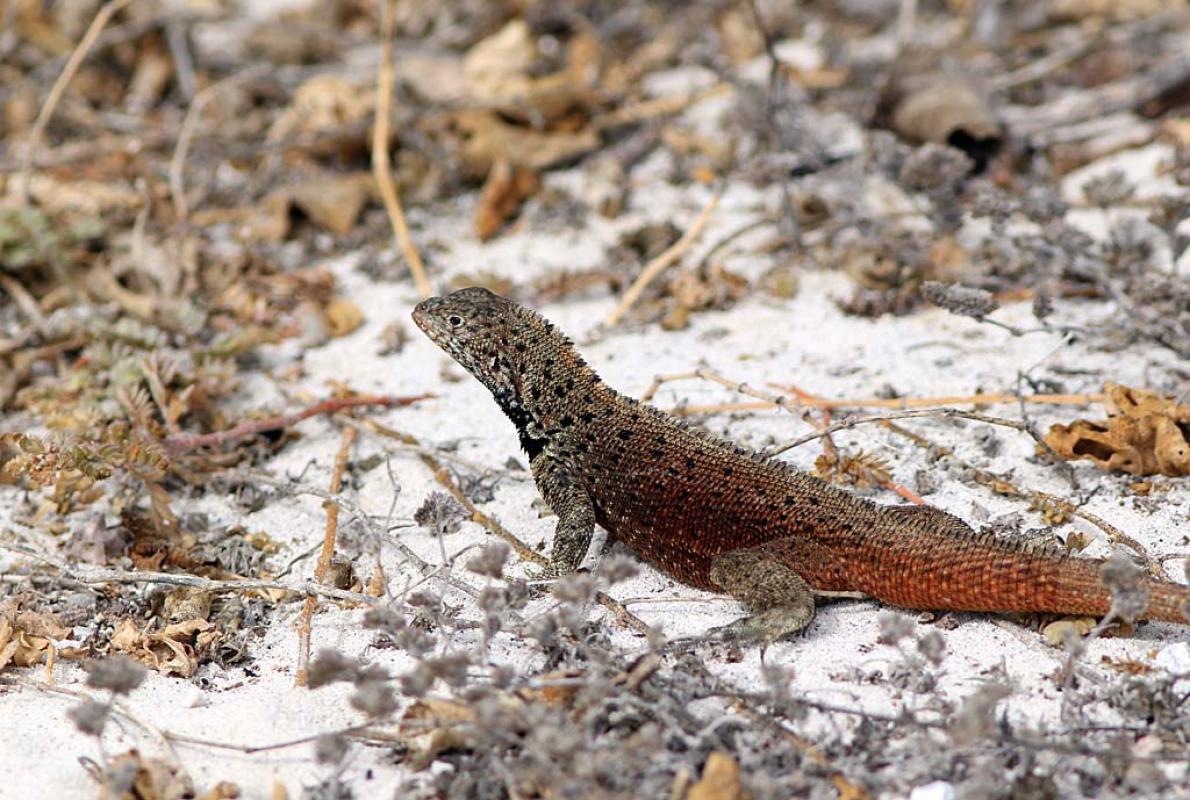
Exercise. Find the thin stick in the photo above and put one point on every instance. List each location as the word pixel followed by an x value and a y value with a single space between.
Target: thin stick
pixel 184 442
pixel 492 525
pixel 98 576
pixel 324 559
pixel 380 163
pixel 882 418
pixel 1004 486
pixel 660 263
pixel 102 17
pixel 177 187
pixel 979 399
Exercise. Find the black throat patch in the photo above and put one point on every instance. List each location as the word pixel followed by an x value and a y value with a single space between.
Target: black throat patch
pixel 521 419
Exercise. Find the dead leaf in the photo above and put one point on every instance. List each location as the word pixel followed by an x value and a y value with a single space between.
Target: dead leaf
pixel 849 790
pixel 88 197
pixel 446 721
pixel 342 316
pixel 499 75
pixel 1144 434
pixel 171 651
pixel 720 780
pixel 947 109
pixel 503 192
pixel 186 602
pixel 156 779
pixel 27 637
pixel 334 202
pixel 485 137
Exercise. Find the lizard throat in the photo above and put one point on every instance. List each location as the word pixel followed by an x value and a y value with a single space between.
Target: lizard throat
pixel 521 418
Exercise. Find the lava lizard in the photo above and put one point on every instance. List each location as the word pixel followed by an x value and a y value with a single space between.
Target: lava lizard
pixel 717 517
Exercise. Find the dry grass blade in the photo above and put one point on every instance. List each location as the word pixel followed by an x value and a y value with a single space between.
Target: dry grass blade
pixel 381 167
pixel 324 558
pixel 661 263
pixel 102 17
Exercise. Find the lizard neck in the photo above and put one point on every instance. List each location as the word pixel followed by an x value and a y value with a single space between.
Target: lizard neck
pixel 555 392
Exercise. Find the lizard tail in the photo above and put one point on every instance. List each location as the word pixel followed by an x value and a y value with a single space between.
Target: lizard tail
pixel 1079 588
pixel 949 566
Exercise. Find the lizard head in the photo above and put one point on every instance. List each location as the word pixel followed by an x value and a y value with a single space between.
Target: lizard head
pixel 527 364
pixel 478 329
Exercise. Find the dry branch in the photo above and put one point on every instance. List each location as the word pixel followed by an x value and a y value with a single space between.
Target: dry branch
pixel 184 442
pixel 324 558
pixel 381 168
pixel 102 17
pixel 660 263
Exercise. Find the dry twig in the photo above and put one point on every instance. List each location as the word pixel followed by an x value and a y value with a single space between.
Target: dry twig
pixel 660 263
pixel 184 442
pixel 381 168
pixel 324 559
pixel 102 17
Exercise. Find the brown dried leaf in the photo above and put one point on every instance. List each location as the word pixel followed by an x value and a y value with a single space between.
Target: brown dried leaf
pixel 323 102
pixel 342 316
pixel 156 779
pixel 720 780
pixel 88 197
pixel 170 651
pixel 485 137
pixel 947 109
pixel 1144 434
pixel 26 637
pixel 446 720
pixel 498 72
pixel 334 202
pixel 506 188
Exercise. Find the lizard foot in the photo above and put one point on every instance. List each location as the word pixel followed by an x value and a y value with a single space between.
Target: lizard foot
pixel 768 626
pixel 782 600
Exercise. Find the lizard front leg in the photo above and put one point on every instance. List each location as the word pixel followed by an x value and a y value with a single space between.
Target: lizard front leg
pixel 782 600
pixel 560 487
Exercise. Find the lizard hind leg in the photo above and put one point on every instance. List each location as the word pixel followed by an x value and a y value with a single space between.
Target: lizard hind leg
pixel 782 601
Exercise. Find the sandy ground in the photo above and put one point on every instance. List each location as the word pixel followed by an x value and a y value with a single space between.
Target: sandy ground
pixel 805 340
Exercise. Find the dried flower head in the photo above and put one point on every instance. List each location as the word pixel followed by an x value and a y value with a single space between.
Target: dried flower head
pixel 118 674
pixel 441 513
pixel 490 560
pixel 961 300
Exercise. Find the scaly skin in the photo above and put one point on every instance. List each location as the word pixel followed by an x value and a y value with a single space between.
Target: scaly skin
pixel 717 517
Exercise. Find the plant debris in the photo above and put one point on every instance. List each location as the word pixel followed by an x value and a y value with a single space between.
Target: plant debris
pixel 1144 434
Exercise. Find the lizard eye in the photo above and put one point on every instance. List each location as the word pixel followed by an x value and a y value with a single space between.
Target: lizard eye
pixel 455 321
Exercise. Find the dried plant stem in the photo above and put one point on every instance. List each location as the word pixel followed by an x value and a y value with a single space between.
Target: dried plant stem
pixel 658 265
pixel 493 526
pixel 98 576
pixel 1004 486
pixel 177 163
pixel 381 168
pixel 184 442
pixel 102 17
pixel 978 399
pixel 324 558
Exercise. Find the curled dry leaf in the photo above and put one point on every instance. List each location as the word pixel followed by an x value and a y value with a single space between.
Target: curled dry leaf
pixel 1144 434
pixel 720 780
pixel 321 103
pixel 499 75
pixel 171 651
pixel 945 109
pixel 503 192
pixel 155 778
pixel 26 637
pixel 438 726
pixel 485 137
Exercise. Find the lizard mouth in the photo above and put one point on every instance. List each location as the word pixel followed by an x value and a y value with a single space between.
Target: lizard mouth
pixel 423 315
